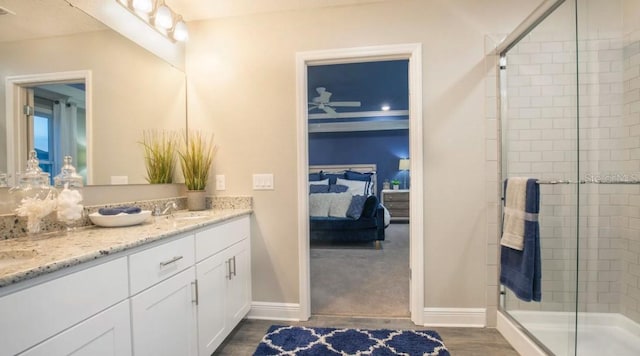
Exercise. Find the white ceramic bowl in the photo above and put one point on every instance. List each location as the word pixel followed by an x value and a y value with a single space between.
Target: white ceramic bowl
pixel 121 219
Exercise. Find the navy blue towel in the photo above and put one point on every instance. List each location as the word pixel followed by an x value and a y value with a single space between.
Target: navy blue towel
pixel 119 209
pixel 520 271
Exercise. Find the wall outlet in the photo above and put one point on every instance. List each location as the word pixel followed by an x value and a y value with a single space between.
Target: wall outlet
pixel 220 182
pixel 263 181
pixel 119 180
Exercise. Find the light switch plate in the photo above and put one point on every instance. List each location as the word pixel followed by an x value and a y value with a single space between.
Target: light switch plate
pixel 220 182
pixel 263 181
pixel 116 180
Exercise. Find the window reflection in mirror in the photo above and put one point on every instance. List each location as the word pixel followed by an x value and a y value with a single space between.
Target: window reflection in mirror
pixel 58 126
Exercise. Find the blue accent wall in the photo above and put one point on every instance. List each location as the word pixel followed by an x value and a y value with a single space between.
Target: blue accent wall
pixel 384 148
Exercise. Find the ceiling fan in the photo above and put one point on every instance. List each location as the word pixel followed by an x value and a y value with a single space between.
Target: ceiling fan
pixel 322 102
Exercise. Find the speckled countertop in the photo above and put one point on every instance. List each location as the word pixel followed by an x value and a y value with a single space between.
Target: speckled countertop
pixel 29 257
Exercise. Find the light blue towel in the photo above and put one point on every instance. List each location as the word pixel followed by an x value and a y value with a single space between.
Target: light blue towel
pixel 520 271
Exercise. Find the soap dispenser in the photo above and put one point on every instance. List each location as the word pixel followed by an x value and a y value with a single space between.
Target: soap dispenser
pixel 69 184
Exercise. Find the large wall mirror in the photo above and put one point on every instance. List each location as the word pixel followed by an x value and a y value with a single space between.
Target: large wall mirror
pixel 128 89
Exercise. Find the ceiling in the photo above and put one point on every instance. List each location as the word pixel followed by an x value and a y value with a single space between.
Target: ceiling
pixel 193 10
pixel 48 18
pixel 43 18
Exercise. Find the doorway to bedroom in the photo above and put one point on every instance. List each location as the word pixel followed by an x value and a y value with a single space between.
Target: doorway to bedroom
pixel 359 188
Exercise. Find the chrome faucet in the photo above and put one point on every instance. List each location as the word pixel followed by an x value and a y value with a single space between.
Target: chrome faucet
pixel 170 206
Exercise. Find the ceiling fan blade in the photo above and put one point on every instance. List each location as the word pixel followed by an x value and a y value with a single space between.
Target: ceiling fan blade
pixel 329 110
pixel 345 103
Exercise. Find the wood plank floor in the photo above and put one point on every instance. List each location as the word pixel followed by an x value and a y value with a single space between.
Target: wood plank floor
pixel 460 341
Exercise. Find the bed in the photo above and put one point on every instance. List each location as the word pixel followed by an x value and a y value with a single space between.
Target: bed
pixel 343 206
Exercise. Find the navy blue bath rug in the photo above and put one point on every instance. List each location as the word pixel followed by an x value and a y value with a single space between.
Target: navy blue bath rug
pixel 304 341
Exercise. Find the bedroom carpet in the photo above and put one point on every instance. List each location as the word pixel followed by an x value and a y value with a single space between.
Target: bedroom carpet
pixel 358 280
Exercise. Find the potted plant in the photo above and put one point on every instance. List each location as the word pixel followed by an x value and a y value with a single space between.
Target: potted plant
pixel 395 184
pixel 196 155
pixel 159 155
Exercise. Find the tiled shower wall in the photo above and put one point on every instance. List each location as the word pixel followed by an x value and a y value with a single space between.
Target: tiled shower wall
pixel 540 140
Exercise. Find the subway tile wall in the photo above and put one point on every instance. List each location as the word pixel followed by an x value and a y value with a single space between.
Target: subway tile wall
pixel 541 139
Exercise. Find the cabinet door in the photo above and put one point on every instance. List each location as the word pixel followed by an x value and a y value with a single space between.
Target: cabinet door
pixel 164 318
pixel 105 334
pixel 212 275
pixel 239 284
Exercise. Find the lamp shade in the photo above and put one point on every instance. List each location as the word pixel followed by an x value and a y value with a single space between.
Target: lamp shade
pixel 404 164
pixel 180 32
pixel 164 19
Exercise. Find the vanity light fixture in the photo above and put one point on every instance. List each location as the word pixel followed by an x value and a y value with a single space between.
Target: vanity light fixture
pixel 159 16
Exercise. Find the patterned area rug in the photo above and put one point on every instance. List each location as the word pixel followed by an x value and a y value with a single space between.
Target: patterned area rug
pixel 303 341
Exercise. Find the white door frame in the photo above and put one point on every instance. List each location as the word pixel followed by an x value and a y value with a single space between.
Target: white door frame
pixel 16 137
pixel 412 52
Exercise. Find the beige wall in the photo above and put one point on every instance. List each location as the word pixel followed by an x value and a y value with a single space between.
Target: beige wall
pixel 133 90
pixel 242 86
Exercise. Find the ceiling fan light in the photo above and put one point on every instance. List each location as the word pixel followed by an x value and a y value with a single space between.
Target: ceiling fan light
pixel 145 6
pixel 180 32
pixel 163 17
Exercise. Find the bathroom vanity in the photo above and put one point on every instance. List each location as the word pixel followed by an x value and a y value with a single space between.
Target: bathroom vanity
pixel 174 287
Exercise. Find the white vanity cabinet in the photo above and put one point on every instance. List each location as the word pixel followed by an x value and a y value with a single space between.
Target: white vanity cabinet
pixel 224 281
pixel 178 296
pixel 73 313
pixel 105 334
pixel 163 306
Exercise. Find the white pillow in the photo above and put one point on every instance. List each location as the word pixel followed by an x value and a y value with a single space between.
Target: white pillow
pixel 320 182
pixel 319 204
pixel 356 187
pixel 339 204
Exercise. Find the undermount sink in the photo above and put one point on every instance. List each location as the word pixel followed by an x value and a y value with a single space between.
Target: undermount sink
pixel 190 215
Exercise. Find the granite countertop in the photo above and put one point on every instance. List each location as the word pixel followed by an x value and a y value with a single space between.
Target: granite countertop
pixel 29 257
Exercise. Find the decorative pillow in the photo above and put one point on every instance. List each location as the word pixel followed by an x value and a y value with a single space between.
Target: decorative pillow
pixel 333 177
pixel 338 188
pixel 339 204
pixel 318 188
pixel 319 205
pixel 318 182
pixel 351 175
pixel 356 187
pixel 314 177
pixel 356 206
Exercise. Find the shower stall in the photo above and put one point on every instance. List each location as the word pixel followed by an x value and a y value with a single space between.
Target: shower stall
pixel 569 93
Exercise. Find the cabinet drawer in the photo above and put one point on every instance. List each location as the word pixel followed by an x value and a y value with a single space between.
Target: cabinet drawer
pixel 34 314
pixel 221 236
pixel 397 205
pixel 400 213
pixel 396 197
pixel 151 266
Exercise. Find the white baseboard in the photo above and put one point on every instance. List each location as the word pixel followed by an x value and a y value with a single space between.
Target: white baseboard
pixel 455 317
pixel 274 311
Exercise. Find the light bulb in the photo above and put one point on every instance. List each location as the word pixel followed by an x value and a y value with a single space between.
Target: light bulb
pixel 143 5
pixel 180 32
pixel 163 18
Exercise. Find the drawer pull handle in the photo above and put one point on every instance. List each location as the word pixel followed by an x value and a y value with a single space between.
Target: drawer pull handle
pixel 173 260
pixel 234 266
pixel 228 272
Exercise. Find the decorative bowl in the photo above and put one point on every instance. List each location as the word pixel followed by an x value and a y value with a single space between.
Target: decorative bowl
pixel 119 220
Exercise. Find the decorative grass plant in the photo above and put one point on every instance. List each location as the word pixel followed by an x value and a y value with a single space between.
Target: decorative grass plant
pixel 159 155
pixel 196 156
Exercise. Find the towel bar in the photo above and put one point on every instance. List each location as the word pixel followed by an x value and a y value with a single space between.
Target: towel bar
pixel 561 181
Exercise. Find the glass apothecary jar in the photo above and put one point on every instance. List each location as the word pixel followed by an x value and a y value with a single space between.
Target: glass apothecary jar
pixel 34 197
pixel 69 185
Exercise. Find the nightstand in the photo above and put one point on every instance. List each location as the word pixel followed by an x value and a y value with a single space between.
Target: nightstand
pixel 397 202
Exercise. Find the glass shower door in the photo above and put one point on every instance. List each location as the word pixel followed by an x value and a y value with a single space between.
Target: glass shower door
pixel 540 135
